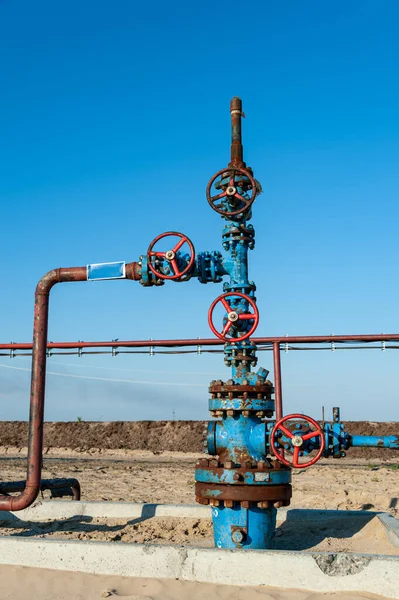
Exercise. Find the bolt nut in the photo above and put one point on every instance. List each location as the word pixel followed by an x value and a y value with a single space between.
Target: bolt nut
pixel 237 477
pixel 229 465
pixel 229 503
pixel 263 504
pixel 245 504
pixel 230 413
pixel 238 536
pixel 214 502
pixel 246 413
pixel 204 501
pixel 278 504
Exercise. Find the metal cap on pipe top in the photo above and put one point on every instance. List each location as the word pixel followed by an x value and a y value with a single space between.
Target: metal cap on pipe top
pixel 236 143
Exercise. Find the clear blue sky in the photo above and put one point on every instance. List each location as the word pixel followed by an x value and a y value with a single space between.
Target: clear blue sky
pixel 113 117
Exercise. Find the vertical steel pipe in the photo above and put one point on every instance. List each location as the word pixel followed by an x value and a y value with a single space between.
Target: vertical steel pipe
pixel 236 142
pixel 38 380
pixel 277 381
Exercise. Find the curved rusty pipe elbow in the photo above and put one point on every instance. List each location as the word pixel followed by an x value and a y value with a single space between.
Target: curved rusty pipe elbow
pixel 38 381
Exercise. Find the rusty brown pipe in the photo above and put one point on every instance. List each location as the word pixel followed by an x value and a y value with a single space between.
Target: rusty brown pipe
pixel 236 140
pixel 38 380
pixel 174 343
pixel 278 394
pixel 58 487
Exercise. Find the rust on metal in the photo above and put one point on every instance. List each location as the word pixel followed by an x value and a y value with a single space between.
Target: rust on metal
pixel 278 394
pixel 249 493
pixel 175 343
pixel 236 151
pixel 240 470
pixel 133 271
pixel 57 487
pixel 238 390
pixel 38 380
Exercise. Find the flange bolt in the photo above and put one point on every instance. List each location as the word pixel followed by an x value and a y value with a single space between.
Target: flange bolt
pixel 238 536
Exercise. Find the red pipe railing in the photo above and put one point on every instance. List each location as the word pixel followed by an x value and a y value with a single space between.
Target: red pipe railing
pixel 299 339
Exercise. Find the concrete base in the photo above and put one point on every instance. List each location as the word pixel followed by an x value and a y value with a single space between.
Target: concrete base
pixel 314 571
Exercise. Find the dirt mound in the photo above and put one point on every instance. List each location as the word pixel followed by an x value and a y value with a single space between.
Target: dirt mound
pixel 180 436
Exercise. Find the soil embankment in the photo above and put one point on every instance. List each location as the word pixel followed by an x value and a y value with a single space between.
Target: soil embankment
pixel 178 436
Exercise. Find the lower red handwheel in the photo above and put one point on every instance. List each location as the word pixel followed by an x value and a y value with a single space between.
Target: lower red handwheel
pixel 296 441
pixel 234 317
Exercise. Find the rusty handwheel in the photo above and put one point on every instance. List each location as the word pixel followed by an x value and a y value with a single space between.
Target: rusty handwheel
pixel 238 191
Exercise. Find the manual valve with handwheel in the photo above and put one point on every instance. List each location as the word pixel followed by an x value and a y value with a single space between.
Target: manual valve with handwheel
pixel 231 192
pixel 300 436
pixel 172 263
pixel 239 323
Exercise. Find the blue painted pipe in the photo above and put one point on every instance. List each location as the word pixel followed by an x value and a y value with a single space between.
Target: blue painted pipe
pixel 374 441
pixel 237 527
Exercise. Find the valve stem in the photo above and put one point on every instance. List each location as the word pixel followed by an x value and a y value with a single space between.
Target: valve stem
pixel 236 143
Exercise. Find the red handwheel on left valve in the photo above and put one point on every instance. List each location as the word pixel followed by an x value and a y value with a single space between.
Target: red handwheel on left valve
pixel 171 256
pixel 234 317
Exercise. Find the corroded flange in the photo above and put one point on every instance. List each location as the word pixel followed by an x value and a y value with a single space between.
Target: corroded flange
pixel 207 493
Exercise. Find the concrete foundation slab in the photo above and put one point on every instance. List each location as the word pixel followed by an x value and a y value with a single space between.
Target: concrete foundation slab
pixel 319 572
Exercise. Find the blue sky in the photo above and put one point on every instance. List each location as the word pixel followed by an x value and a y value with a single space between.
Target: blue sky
pixel 113 117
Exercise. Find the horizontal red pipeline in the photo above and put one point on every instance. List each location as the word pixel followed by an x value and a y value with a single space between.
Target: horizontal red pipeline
pixel 304 339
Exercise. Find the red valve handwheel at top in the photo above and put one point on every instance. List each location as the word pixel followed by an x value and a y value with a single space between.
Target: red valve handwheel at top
pixel 233 316
pixel 231 191
pixel 170 255
pixel 297 441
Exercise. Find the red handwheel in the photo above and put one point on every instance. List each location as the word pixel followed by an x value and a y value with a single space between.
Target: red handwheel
pixel 233 316
pixel 297 441
pixel 170 255
pixel 238 178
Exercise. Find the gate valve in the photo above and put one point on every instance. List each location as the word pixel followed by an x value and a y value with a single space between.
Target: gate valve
pixel 233 317
pixel 171 256
pixel 235 184
pixel 296 441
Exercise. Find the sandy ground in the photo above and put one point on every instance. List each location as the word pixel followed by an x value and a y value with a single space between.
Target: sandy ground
pixel 168 477
pixel 143 476
pixel 19 583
